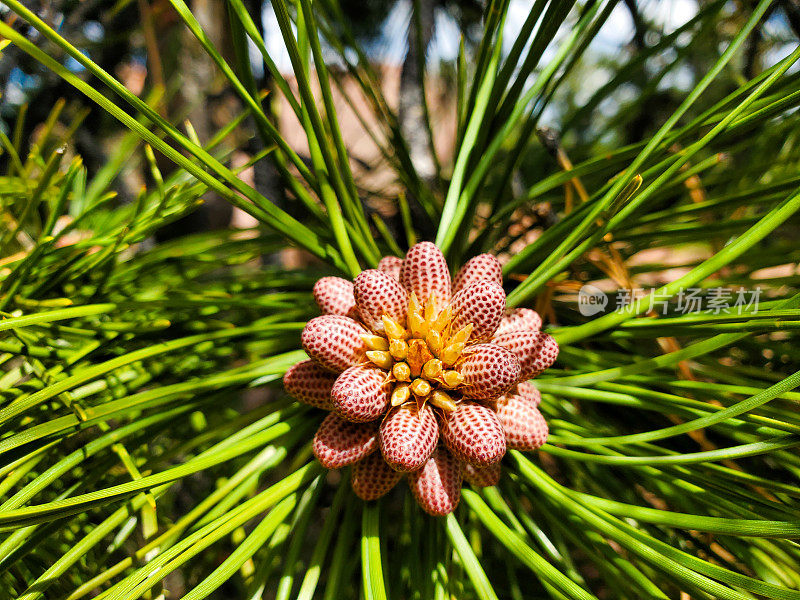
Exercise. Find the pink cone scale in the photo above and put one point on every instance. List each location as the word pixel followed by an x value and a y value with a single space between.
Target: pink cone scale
pixel 391 266
pixel 519 319
pixel 482 476
pixel 489 370
pixel 408 436
pixel 481 304
pixel 334 342
pixel 437 485
pixel 360 394
pixel 379 294
pixel 423 376
pixel 528 391
pixel 334 296
pixel 473 433
pixel 339 443
pixel 372 477
pixel 524 426
pixel 310 384
pixel 424 271
pixel 535 350
pixel 483 267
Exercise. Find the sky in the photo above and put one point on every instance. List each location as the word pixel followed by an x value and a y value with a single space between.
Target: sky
pixel 391 46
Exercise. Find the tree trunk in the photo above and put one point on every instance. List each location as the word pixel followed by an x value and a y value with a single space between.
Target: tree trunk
pixel 203 98
pixel 412 98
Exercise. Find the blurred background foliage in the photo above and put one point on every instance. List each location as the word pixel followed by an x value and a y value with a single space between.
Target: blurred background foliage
pixel 664 47
pixel 155 279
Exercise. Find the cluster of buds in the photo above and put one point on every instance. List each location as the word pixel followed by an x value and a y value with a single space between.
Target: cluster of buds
pixel 424 377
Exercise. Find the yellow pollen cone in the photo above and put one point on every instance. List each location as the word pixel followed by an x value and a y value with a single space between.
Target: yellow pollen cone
pixel 398 349
pixel 452 379
pixel 416 321
pixel 430 310
pixel 401 394
pixel 420 387
pixel 394 330
pixel 401 371
pixel 451 354
pixel 413 304
pixel 434 341
pixel 380 358
pixel 443 320
pixel 461 336
pixel 375 342
pixel 443 401
pixel 416 324
pixel 432 369
pixel 418 355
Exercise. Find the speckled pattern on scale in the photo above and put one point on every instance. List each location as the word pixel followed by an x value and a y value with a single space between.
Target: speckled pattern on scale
pixel 408 436
pixel 424 271
pixel 435 381
pixel 437 485
pixel 489 370
pixel 524 425
pixel 483 476
pixel 519 319
pixel 334 296
pixel 548 353
pixel 535 350
pixel 378 294
pixel 482 304
pixel 361 394
pixel 339 443
pixel 473 434
pixel 483 267
pixel 372 477
pixel 310 384
pixel 529 391
pixel 391 266
pixel 334 342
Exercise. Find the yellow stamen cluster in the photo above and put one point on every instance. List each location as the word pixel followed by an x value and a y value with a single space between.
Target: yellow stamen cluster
pixel 421 356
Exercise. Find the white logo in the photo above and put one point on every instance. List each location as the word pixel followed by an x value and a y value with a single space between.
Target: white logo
pixel 591 300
